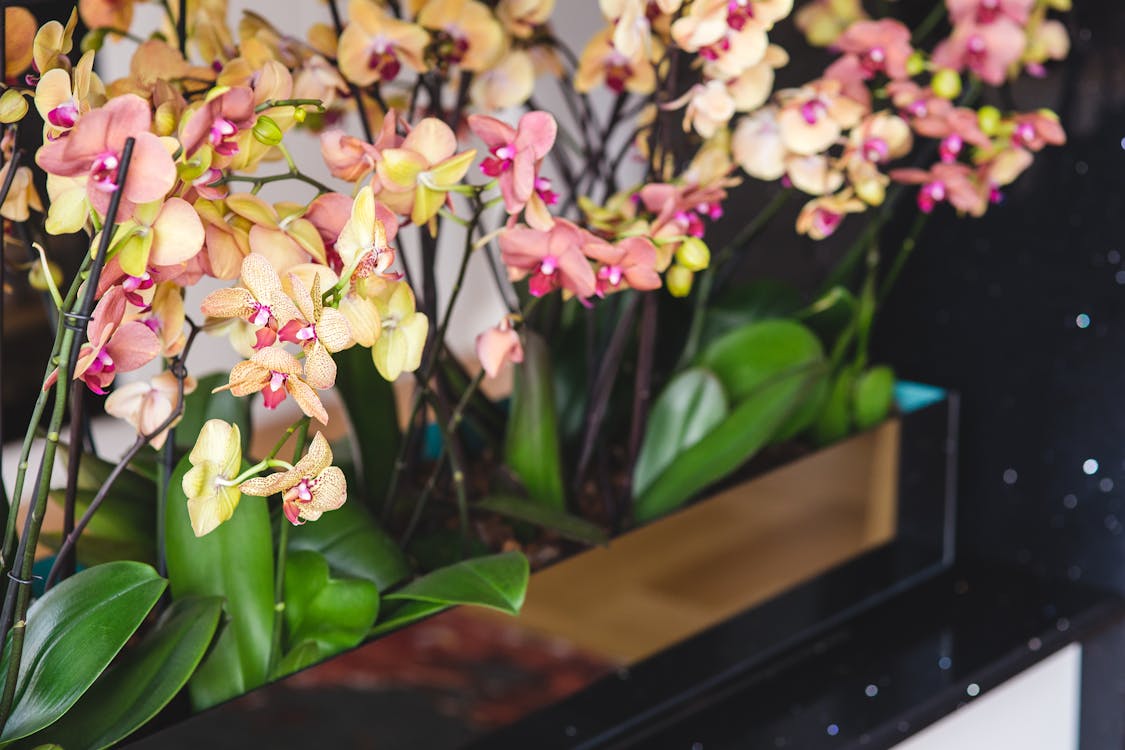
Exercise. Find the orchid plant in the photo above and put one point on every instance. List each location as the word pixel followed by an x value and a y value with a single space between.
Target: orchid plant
pixel 634 382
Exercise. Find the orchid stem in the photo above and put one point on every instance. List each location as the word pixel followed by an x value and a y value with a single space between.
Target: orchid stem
pixel 302 430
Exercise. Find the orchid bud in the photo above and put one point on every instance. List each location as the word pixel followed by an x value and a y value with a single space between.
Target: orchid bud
pixel 94 40
pixel 871 192
pixel 678 280
pixel 988 118
pixel 693 254
pixel 13 106
pixel 164 120
pixel 299 114
pixel 267 132
pixel 946 83
pixel 916 64
pixel 38 279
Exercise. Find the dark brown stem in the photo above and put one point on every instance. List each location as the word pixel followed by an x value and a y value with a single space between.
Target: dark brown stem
pixel 66 563
pixel 603 387
pixel 642 387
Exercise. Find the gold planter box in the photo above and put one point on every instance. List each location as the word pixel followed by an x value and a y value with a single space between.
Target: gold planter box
pixel 675 577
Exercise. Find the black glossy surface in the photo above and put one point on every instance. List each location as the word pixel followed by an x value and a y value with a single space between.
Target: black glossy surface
pixel 990 308
pixel 921 650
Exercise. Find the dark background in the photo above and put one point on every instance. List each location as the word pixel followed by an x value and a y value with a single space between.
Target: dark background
pixel 991 308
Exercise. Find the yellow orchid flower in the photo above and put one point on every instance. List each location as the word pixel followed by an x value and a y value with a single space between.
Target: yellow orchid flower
pixel 417 176
pixel 466 33
pixel 399 348
pixel 215 460
pixel 375 44
pixel 19 25
pixel 309 489
pixel 53 43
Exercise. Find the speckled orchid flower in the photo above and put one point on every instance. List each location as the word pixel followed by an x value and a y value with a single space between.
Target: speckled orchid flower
pixel 320 332
pixel 260 300
pixel 363 245
pixel 275 373
pixel 312 487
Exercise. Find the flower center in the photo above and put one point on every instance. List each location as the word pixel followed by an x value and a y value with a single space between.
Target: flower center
pixel 384 61
pixel 739 14
pixel 813 110
pixel 930 195
pixel 988 11
pixel 618 71
pixel 104 172
pixel 222 136
pixel 64 115
pixel 500 161
pixel 102 363
pixel 951 147
pixel 1024 133
pixel 261 315
pixel 874 60
pixel 543 190
pixel 826 221
pixel 611 274
pixel 876 150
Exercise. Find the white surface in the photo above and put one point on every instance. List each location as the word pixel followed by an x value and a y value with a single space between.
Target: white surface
pixel 1036 710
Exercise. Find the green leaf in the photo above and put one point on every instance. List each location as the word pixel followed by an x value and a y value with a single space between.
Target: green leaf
pixel 750 356
pixel 235 561
pixel 741 304
pixel 73 632
pixel 120 530
pixel 336 613
pixel 370 403
pixel 145 680
pixel 748 428
pixel 354 546
pixel 531 448
pixel 874 396
pixel 304 654
pixel 202 405
pixel 835 419
pixel 566 525
pixel 404 614
pixel 497 581
pixel 690 406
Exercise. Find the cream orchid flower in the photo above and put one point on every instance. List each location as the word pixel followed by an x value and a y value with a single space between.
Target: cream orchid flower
pixel 215 460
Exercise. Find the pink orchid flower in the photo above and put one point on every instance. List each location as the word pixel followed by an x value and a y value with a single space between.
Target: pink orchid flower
pixel 880 47
pixel 93 150
pixel 348 158
pixel 1036 130
pixel 629 263
pixel 987 11
pixel 989 50
pixel 114 344
pixel 515 156
pixel 955 183
pixel 497 346
pixel 552 259
pixel 219 121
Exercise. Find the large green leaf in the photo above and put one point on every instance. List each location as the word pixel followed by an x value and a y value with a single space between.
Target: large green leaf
pixel 874 396
pixel 134 689
pixel 370 402
pixel 829 315
pixel 497 581
pixel 690 406
pixel 354 546
pixel 120 530
pixel 73 632
pixel 746 358
pixel 235 561
pixel 335 613
pixel 531 447
pixel 566 525
pixel 748 428
pixel 202 405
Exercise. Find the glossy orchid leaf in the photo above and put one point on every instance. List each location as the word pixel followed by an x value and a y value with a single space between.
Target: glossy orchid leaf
pixel 235 561
pixel 354 546
pixel 335 613
pixel 497 582
pixel 73 633
pixel 146 679
pixel 531 448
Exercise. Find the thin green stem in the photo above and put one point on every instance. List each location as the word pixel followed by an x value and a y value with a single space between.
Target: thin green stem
pixel 282 553
pixel 272 103
pixel 265 180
